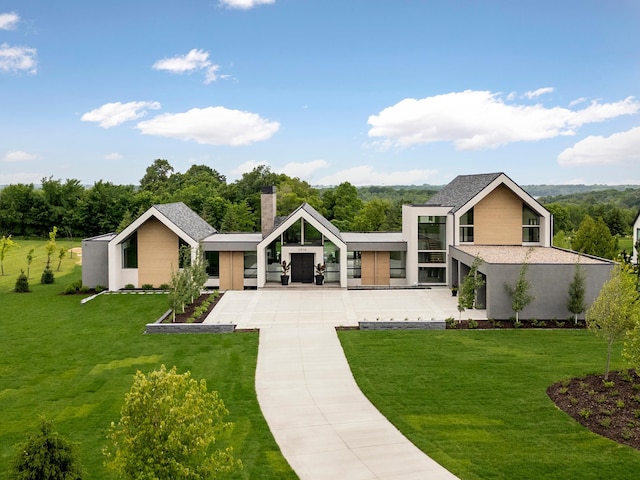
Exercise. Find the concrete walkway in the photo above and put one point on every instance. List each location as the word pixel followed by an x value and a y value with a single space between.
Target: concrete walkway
pixel 325 426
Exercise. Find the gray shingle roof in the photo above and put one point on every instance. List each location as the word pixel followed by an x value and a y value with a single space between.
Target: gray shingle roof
pixel 186 220
pixel 462 189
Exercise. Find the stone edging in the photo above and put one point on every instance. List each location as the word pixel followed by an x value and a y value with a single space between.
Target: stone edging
pixel 403 325
pixel 159 327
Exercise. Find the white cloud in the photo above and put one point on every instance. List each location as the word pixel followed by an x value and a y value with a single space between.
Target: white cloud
pixel 18 59
pixel 596 150
pixel 365 175
pixel 475 120
pixel 113 156
pixel 245 4
pixel 540 91
pixel 113 114
pixel 195 60
pixel 21 177
pixel 246 167
pixel 8 21
pixel 577 101
pixel 303 170
pixel 19 156
pixel 211 126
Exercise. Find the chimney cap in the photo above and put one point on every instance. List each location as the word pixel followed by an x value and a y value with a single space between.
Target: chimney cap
pixel 269 189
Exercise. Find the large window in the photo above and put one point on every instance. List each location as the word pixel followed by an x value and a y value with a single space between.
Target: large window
pixel 397 264
pixel 466 227
pixel 250 265
pixel 213 264
pixel 530 225
pixel 354 264
pixel 293 234
pixel 432 249
pixel 130 252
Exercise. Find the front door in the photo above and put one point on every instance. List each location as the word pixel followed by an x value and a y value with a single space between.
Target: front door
pixel 302 267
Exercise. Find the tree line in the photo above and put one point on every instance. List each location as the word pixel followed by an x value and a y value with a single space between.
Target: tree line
pixel 78 211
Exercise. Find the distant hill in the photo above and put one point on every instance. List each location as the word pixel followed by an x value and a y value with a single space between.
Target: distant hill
pixel 556 190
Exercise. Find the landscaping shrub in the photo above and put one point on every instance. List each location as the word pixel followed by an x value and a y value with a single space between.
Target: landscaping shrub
pixel 129 286
pixel 22 283
pixel 47 277
pixel 147 286
pixel 100 288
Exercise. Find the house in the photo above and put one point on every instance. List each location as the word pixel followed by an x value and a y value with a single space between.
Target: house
pixel 486 215
pixel 636 237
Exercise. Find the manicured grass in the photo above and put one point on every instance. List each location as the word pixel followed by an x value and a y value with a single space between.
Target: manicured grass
pixel 74 363
pixel 625 244
pixel 475 401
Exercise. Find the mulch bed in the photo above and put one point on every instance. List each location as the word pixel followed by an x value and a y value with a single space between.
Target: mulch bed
pixel 524 324
pixel 610 409
pixel 184 317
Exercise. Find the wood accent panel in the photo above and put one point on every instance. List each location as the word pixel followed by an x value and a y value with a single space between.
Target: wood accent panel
pixel 157 253
pixel 375 268
pixel 497 218
pixel 231 270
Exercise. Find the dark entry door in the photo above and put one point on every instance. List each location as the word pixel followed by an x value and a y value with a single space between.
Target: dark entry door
pixel 302 267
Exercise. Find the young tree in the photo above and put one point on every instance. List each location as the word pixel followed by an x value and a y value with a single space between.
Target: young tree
pixel 61 254
pixel 594 238
pixel 29 261
pixel 575 303
pixel 616 311
pixel 168 428
pixel 50 248
pixel 6 244
pixel 45 455
pixel 22 283
pixel 520 292
pixel 471 283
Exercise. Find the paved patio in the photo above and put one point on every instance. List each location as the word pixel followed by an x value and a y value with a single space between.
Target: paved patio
pixel 325 426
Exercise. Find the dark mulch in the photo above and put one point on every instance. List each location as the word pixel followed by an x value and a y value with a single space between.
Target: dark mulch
pixel 184 317
pixel 524 324
pixel 608 409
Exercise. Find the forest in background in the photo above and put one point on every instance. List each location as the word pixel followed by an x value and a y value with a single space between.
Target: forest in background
pixel 27 210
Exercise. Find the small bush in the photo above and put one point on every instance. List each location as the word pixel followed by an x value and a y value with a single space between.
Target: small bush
pixel 147 286
pixel 473 324
pixel 84 289
pixel 608 384
pixel 627 434
pixel 585 412
pixel 47 277
pixel 22 283
pixel 164 286
pixel 450 322
pixel 129 286
pixel 563 390
pixel 620 403
pixel 100 288
pixel 636 413
pixel 605 422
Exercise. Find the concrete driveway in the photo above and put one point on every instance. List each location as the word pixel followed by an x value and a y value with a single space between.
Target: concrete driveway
pixel 326 428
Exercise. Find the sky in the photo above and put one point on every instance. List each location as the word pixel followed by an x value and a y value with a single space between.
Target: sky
pixel 374 92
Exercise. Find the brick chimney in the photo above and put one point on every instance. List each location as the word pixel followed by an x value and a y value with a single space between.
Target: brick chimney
pixel 267 209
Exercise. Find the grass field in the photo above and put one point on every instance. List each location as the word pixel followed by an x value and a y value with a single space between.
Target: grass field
pixel 74 363
pixel 475 401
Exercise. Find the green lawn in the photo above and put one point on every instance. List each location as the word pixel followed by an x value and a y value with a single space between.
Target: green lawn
pixel 74 363
pixel 475 401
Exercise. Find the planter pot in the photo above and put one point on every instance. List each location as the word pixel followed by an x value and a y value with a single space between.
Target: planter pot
pixel 454 293
pixel 319 279
pixel 284 279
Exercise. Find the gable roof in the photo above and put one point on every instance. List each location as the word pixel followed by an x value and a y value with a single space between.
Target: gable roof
pixel 186 220
pixel 462 189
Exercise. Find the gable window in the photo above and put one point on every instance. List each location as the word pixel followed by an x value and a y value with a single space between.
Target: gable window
pixel 130 252
pixel 432 249
pixel 530 225
pixel 184 254
pixel 466 227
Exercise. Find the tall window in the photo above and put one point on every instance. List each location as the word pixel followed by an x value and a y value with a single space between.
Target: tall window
pixel 250 265
pixel 466 227
pixel 354 264
pixel 130 252
pixel 397 264
pixel 530 225
pixel 184 254
pixel 213 264
pixel 432 249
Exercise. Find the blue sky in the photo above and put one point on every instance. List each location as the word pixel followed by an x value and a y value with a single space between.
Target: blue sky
pixel 366 91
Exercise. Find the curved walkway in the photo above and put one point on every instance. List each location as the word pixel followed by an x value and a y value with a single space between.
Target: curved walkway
pixel 325 426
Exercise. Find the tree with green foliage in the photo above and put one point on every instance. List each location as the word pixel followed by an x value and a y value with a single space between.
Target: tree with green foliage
pixel 616 310
pixel 6 244
pixel 22 283
pixel 520 293
pixel 575 303
pixel 238 218
pixel 156 175
pixel 372 217
pixel 50 248
pixel 30 261
pixel 45 455
pixel 470 285
pixel 594 238
pixel 47 276
pixel 168 429
pixel 342 204
pixel 61 254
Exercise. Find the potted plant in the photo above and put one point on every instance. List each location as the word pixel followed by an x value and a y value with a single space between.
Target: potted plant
pixel 454 290
pixel 284 278
pixel 320 274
